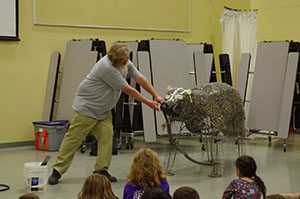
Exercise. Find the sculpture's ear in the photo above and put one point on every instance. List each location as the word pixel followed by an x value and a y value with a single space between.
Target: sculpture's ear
pixel 169 88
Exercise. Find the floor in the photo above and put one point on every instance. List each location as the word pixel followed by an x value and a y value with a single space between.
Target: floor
pixel 278 169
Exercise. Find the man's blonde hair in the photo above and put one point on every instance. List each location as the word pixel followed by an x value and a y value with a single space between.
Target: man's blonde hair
pixel 117 53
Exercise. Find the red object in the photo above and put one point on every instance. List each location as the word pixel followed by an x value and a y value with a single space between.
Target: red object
pixel 45 139
pixel 37 140
pixel 37 143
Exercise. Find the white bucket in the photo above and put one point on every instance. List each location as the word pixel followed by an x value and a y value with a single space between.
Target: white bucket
pixel 35 176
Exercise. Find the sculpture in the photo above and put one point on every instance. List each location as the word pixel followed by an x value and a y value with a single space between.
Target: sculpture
pixel 208 109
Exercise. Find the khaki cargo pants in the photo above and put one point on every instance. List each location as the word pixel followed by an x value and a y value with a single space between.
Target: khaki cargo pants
pixel 81 126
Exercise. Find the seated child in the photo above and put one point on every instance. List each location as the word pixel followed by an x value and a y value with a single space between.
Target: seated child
pixel 145 172
pixel 156 193
pixel 275 196
pixel 291 195
pixel 29 196
pixel 186 193
pixel 248 185
pixel 96 186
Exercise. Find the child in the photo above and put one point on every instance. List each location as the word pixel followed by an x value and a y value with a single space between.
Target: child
pixel 291 195
pixel 29 196
pixel 186 192
pixel 284 196
pixel 156 193
pixel 96 186
pixel 145 172
pixel 275 196
pixel 249 185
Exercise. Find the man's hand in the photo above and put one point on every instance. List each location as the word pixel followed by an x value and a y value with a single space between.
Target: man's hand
pixel 159 99
pixel 136 95
pixel 153 105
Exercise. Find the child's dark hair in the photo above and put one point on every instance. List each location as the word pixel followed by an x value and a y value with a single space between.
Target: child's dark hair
pixel 275 196
pixel 186 192
pixel 156 193
pixel 29 196
pixel 247 167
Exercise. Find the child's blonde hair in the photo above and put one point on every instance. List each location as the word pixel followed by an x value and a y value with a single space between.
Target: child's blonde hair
pixel 96 186
pixel 146 170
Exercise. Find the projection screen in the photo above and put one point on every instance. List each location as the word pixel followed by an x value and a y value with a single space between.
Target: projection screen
pixel 9 20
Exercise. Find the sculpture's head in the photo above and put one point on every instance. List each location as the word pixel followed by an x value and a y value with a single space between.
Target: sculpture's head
pixel 174 99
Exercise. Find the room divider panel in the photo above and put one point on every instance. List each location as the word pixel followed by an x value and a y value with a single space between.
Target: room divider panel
pixel 51 86
pixel 169 63
pixel 80 57
pixel 273 88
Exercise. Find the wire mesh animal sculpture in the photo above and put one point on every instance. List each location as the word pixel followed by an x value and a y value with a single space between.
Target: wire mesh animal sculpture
pixel 209 109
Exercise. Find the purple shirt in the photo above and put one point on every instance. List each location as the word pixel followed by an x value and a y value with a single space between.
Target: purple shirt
pixel 241 189
pixel 131 192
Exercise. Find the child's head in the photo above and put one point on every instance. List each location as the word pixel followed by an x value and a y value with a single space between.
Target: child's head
pixel 275 196
pixel 186 192
pixel 29 196
pixel 96 186
pixel 156 193
pixel 146 170
pixel 246 167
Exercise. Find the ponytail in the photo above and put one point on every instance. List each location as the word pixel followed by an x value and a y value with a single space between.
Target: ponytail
pixel 261 185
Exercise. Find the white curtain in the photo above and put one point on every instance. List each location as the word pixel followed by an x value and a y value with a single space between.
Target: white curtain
pixel 238 36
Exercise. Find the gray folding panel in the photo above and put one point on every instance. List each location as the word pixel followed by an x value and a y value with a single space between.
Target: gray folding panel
pixel 209 58
pixel 50 89
pixel 79 60
pixel 201 70
pixel 288 94
pixel 192 48
pixel 268 86
pixel 243 75
pixel 148 113
pixel 133 46
pixel 169 63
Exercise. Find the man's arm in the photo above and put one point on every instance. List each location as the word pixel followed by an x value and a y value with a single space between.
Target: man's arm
pixel 141 80
pixel 136 95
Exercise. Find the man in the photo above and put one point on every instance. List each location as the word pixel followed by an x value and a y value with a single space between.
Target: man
pixel 96 95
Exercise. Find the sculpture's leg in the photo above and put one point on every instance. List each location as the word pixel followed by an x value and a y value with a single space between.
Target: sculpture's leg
pixel 215 157
pixel 172 152
pixel 240 144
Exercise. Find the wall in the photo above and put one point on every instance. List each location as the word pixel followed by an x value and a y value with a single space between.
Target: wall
pixel 217 7
pixel 24 65
pixel 277 19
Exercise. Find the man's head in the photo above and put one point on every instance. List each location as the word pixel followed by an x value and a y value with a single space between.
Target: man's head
pixel 186 192
pixel 118 54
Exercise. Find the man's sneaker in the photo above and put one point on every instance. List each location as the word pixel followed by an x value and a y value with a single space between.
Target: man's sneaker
pixel 111 178
pixel 53 179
